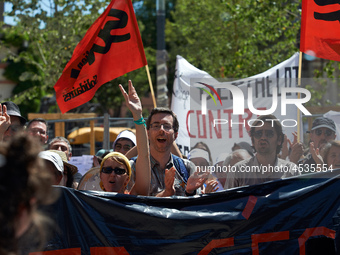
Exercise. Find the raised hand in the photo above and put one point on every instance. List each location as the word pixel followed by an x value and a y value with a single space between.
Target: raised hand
pixel 132 100
pixel 296 149
pixel 195 181
pixel 212 186
pixel 316 154
pixel 5 120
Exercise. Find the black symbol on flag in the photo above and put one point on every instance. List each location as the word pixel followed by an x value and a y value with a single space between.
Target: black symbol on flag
pixel 75 73
pixel 105 35
pixel 331 16
pixel 326 2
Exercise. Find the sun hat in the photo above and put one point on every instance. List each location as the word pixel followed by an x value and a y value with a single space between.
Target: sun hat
pixel 54 158
pixel 63 157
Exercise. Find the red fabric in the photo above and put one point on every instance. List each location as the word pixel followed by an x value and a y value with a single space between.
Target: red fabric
pixel 320 26
pixel 110 48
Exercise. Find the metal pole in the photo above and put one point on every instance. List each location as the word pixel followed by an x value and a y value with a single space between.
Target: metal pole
pixel 161 56
pixel 106 142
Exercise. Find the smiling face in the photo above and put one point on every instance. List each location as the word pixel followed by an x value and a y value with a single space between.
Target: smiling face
pixel 333 157
pixel 160 136
pixel 114 182
pixel 39 130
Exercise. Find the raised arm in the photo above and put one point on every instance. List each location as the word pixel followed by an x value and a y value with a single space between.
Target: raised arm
pixel 143 166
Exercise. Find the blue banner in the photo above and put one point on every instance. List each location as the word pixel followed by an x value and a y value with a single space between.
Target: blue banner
pixel 288 216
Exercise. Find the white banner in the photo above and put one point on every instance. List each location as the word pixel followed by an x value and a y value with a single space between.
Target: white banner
pixel 220 113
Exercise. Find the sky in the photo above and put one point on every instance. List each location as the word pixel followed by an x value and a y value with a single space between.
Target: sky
pixel 8 20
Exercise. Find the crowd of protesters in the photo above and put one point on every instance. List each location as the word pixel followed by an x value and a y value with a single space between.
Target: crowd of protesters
pixel 146 162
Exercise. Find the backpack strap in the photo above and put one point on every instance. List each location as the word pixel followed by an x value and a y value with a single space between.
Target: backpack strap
pixel 134 159
pixel 180 166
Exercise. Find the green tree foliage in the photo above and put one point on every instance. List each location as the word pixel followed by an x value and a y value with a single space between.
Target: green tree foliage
pixel 52 30
pixel 233 38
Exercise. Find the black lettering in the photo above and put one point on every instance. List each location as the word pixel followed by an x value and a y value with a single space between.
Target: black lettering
pixel 67 97
pixel 89 84
pixel 80 90
pixel 268 81
pixel 84 87
pixel 257 83
pixel 288 79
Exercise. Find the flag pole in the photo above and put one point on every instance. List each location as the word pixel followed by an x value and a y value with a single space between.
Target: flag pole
pixel 299 95
pixel 151 87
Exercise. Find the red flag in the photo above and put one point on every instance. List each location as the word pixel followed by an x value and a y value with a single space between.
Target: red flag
pixel 320 28
pixel 110 48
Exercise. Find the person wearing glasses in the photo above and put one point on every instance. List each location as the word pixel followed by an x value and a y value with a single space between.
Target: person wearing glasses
pixel 124 142
pixel 38 128
pixel 323 131
pixel 170 174
pixel 115 169
pixel 267 138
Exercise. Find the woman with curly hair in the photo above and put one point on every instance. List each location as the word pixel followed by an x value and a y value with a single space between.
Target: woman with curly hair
pixel 24 185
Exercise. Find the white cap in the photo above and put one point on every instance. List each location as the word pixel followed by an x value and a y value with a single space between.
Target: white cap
pixel 54 158
pixel 221 157
pixel 198 153
pixel 127 134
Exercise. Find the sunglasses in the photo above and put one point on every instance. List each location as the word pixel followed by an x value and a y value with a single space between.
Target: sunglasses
pixel 14 128
pixel 117 170
pixel 267 133
pixel 327 132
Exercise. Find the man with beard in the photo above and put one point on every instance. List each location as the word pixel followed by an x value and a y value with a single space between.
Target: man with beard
pixel 323 131
pixel 267 137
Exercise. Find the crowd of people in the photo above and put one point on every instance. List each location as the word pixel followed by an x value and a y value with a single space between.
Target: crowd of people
pixel 146 162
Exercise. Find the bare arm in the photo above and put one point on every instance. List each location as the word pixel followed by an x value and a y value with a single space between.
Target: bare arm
pixel 132 152
pixel 143 166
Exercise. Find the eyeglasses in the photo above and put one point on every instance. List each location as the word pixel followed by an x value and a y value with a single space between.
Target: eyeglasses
pixel 125 147
pixel 157 126
pixel 14 128
pixel 267 133
pixel 327 132
pixel 37 131
pixel 117 170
